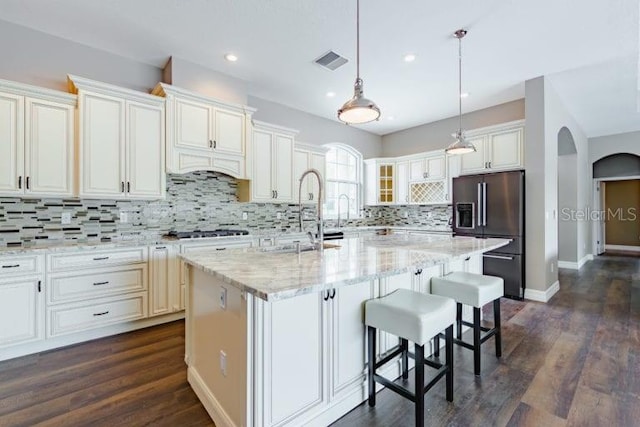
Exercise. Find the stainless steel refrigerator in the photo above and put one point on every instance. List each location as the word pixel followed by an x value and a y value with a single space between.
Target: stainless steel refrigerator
pixel 492 205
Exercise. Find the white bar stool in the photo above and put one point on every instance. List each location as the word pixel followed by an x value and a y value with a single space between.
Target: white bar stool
pixel 475 290
pixel 417 317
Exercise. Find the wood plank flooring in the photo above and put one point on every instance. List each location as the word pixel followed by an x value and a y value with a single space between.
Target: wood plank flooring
pixel 574 361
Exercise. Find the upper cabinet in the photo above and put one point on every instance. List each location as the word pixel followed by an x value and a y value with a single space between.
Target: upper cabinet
pixel 379 181
pixel 271 160
pixel 306 157
pixel 431 166
pixel 205 134
pixel 497 148
pixel 36 141
pixel 121 142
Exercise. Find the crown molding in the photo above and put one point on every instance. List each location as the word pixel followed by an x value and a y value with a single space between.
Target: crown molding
pixel 77 84
pixel 167 90
pixel 38 92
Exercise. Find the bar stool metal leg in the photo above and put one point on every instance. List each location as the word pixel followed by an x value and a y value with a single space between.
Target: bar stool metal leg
pixel 404 345
pixel 436 346
pixel 371 332
pixel 459 321
pixel 476 340
pixel 496 321
pixel 419 385
pixel 449 355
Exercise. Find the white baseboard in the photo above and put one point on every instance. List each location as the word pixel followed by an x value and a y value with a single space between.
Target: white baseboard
pixel 622 248
pixel 65 340
pixel 542 296
pixel 590 257
pixel 570 265
pixel 208 400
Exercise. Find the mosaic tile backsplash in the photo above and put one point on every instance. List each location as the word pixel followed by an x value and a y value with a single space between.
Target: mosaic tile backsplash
pixel 199 200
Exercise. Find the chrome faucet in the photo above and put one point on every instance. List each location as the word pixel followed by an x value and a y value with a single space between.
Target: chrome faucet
pixel 348 207
pixel 319 242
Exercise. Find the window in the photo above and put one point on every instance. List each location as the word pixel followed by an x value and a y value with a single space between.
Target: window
pixel 344 177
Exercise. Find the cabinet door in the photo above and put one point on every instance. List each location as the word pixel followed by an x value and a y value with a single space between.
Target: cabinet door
pixel 229 132
pixel 163 286
pixel 262 166
pixel 436 167
pixel 49 148
pixel 506 149
pixel 385 179
pixel 21 311
pixel 301 159
pixel 193 126
pixel 348 344
pixel 294 358
pixel 474 162
pixel 11 144
pixel 417 169
pixel 370 183
pixel 145 151
pixel 102 144
pixel 319 162
pixel 402 182
pixel 283 168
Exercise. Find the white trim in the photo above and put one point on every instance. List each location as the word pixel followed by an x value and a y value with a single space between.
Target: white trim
pixel 166 90
pixel 495 128
pixel 570 265
pixel 270 127
pixel 617 178
pixel 311 147
pixel 208 400
pixel 62 341
pixel 542 296
pixel 622 248
pixel 590 257
pixel 38 92
pixel 77 83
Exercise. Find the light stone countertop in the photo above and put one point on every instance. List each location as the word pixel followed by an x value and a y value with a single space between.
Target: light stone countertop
pixel 274 276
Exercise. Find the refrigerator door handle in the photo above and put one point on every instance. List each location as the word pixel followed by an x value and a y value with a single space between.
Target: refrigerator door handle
pixel 479 204
pixel 509 258
pixel 484 203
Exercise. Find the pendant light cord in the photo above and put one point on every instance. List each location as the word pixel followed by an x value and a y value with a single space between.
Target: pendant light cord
pixel 460 81
pixel 358 39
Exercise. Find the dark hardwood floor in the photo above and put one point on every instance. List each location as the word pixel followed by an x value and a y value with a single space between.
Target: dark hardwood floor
pixel 572 362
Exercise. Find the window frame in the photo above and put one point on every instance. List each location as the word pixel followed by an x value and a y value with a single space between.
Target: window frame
pixel 359 165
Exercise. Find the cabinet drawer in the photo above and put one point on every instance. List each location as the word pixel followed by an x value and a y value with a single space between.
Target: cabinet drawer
pixel 79 317
pixel 99 283
pixel 63 262
pixel 20 265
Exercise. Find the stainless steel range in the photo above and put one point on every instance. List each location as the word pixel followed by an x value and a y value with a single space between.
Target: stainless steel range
pixel 195 234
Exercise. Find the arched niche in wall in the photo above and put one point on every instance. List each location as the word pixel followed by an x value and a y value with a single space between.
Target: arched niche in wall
pixel 567 196
pixel 617 165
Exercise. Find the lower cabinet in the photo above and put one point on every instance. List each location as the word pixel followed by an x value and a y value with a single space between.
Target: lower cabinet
pixel 165 290
pixel 21 310
pixel 314 353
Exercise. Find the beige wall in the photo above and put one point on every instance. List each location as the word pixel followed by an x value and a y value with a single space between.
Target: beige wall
pixel 437 135
pixel 622 200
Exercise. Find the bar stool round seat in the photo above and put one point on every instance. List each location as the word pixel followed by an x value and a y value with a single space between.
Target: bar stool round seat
pixel 417 317
pixel 475 290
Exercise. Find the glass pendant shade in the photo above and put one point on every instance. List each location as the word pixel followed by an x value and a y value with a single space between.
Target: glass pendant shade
pixel 358 109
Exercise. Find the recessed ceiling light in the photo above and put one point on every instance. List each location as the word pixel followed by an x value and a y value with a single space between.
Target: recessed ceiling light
pixel 231 57
pixel 464 95
pixel 331 94
pixel 409 57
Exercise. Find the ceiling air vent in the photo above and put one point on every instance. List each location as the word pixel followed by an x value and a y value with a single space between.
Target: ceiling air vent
pixel 331 60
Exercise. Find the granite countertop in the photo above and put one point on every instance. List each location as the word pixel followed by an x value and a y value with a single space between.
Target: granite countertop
pixel 48 246
pixel 274 276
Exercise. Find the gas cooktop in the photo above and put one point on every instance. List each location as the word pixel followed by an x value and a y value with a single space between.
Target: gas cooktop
pixel 205 233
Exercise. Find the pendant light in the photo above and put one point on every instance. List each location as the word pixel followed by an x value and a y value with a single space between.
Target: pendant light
pixel 358 109
pixel 460 145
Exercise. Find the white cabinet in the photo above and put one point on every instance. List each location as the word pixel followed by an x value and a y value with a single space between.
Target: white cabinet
pixel 21 300
pixel 204 133
pixel 272 172
pixel 36 141
pixel 121 139
pixel 402 182
pixel 428 167
pixel 497 148
pixel 164 286
pixel 308 157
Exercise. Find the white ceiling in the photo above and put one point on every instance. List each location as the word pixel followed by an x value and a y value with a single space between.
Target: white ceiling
pixel 589 47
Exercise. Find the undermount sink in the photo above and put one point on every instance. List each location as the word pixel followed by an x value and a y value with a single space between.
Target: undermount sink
pixel 296 248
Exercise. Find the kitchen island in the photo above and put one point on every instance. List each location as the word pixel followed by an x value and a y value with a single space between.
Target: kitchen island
pixel 275 336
